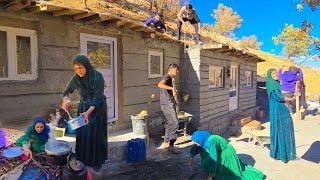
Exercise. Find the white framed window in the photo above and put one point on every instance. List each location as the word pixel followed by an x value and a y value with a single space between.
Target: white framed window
pixel 248 79
pixel 155 64
pixel 216 76
pixel 18 54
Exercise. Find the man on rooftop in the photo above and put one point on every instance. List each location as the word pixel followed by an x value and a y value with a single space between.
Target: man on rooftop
pixel 187 13
pixel 156 22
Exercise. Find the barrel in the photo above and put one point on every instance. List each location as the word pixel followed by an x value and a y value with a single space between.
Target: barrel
pixel 136 150
pixel 139 126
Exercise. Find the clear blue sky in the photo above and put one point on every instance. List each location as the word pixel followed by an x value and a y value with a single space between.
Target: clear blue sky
pixel 263 18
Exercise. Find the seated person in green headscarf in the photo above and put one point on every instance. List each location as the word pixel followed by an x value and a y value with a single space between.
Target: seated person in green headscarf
pixel 35 138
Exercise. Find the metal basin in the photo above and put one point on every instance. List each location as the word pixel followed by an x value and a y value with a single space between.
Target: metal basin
pixel 58 147
pixel 58 152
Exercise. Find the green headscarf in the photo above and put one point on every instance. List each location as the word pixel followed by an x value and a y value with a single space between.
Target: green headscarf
pixel 86 82
pixel 271 83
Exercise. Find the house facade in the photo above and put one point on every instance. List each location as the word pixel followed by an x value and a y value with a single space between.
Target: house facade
pixel 221 82
pixel 39 41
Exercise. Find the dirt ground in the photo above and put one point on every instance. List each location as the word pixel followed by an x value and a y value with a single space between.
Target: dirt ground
pixel 162 165
pixel 165 165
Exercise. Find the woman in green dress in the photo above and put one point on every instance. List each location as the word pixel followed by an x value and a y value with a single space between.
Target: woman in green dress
pixel 91 139
pixel 35 138
pixel 220 159
pixel 282 140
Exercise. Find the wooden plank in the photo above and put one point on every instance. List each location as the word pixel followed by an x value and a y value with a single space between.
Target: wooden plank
pixel 48 81
pixel 17 5
pixel 61 12
pixel 12 3
pixel 24 107
pixel 110 23
pixel 92 19
pixel 214 116
pixel 298 115
pixel 215 105
pixel 82 15
pixel 141 94
pixel 122 23
pixel 34 9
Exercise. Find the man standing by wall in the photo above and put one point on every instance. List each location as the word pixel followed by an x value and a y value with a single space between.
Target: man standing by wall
pixel 168 106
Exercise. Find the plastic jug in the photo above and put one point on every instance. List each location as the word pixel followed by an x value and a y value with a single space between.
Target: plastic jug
pixel 136 150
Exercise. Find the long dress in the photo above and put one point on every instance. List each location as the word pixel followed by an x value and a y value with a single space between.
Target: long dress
pixel 91 139
pixel 37 145
pixel 282 141
pixel 221 161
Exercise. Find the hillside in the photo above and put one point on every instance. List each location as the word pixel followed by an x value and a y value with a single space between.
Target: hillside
pixel 138 10
pixel 311 76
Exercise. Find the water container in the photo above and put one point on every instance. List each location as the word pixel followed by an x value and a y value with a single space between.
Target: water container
pixel 76 123
pixel 138 125
pixel 136 150
pixel 70 130
pixel 3 140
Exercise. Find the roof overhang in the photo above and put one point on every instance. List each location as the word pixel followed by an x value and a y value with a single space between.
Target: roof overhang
pixel 108 20
pixel 84 16
pixel 232 51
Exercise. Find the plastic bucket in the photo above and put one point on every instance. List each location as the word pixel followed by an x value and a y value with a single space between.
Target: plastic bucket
pixel 76 123
pixel 139 126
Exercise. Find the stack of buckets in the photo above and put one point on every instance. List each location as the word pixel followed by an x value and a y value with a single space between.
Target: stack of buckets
pixel 136 148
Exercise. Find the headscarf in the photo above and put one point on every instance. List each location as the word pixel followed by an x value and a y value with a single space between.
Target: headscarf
pixel 201 137
pixel 87 82
pixel 44 135
pixel 271 84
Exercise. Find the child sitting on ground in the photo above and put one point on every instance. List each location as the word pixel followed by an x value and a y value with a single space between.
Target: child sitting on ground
pixel 35 138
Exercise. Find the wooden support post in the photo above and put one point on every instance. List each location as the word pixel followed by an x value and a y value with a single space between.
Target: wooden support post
pixel 298 109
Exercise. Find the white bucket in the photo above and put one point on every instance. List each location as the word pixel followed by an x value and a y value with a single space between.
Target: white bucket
pixel 76 123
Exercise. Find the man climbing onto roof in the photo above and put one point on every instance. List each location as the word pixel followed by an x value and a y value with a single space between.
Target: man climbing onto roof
pixel 156 22
pixel 187 13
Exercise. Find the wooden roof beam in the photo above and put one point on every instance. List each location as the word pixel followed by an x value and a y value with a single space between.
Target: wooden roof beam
pixel 139 29
pixel 82 15
pixel 122 23
pixel 13 5
pixel 111 23
pixel 61 12
pixel 17 5
pixel 99 18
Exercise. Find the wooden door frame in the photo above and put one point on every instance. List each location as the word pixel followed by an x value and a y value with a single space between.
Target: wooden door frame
pixel 103 39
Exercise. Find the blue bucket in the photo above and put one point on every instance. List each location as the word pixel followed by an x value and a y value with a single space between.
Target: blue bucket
pixel 136 150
